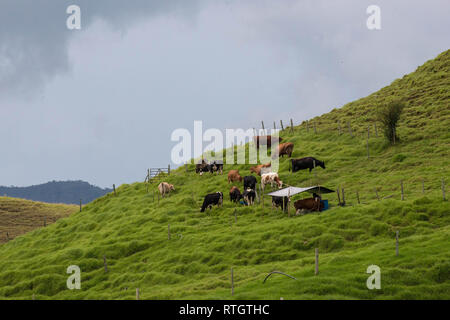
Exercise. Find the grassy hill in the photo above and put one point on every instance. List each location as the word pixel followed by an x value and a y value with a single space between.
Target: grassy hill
pixel 19 216
pixel 131 228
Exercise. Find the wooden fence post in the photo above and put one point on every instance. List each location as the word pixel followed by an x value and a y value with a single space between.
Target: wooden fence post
pixel 80 205
pixel 232 282
pixel 396 243
pixel 281 123
pixel 401 186
pixel 307 126
pixel 292 126
pixel 368 136
pixel 289 202
pixel 114 188
pixel 343 197
pixel 168 169
pixel 262 124
pixel 137 293
pixel 7 236
pixel 104 264
pixel 357 197
pixel 316 272
pixel 443 188
pixel 315 129
pixel 338 195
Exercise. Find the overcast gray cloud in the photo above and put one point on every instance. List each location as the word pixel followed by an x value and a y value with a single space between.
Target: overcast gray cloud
pixel 100 104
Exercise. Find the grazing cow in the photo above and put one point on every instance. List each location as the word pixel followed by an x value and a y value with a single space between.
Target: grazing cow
pixel 265 140
pixel 307 205
pixel 271 178
pixel 280 202
pixel 164 188
pixel 235 194
pixel 249 182
pixel 249 196
pixel 212 199
pixel 233 175
pixel 217 167
pixel 261 168
pixel 203 167
pixel 285 149
pixel 306 163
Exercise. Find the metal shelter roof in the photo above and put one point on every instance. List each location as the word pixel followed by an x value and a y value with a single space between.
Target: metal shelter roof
pixel 290 191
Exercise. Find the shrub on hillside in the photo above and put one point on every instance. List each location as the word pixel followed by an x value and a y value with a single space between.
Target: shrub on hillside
pixel 389 117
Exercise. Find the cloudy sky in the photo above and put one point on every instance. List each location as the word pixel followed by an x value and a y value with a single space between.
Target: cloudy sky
pixel 100 103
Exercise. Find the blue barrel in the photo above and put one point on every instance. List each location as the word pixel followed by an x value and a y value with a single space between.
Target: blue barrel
pixel 325 204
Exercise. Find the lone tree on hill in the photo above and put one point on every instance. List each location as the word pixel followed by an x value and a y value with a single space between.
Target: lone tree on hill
pixel 389 116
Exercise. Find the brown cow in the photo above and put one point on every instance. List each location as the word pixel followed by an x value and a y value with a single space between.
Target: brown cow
pixel 265 141
pixel 307 205
pixel 164 188
pixel 233 175
pixel 285 149
pixel 260 167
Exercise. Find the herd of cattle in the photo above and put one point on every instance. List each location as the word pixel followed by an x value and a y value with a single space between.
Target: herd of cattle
pixel 248 196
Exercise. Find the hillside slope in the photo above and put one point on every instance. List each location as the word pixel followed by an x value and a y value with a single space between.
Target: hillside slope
pixel 19 216
pixel 131 229
pixel 70 192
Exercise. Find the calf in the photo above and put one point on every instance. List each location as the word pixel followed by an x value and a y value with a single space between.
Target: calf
pixel 235 194
pixel 233 175
pixel 212 199
pixel 306 163
pixel 249 182
pixel 164 188
pixel 280 202
pixel 271 178
pixel 307 205
pixel 249 196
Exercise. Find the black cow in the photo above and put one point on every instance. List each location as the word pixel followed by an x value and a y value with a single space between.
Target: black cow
pixel 203 167
pixel 280 202
pixel 212 199
pixel 235 194
pixel 306 163
pixel 217 167
pixel 249 182
pixel 249 196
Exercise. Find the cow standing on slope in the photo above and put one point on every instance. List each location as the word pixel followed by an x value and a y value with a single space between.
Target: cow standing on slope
pixel 306 163
pixel 212 199
pixel 165 188
pixel 271 178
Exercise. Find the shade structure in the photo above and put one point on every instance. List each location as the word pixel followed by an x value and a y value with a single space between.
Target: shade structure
pixel 290 191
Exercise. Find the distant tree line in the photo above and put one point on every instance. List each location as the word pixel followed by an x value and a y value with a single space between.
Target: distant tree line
pixel 69 192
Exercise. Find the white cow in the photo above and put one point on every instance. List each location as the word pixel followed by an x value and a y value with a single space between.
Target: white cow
pixel 271 178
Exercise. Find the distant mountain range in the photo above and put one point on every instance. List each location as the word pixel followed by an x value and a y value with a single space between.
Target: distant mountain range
pixel 69 192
